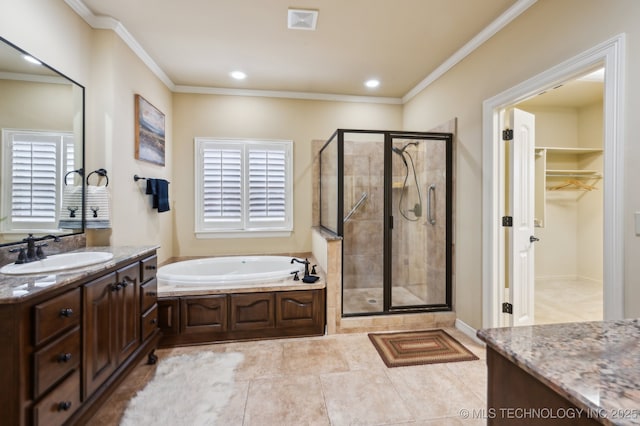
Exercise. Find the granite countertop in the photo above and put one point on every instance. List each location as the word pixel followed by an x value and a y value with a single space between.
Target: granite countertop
pixel 17 288
pixel 595 365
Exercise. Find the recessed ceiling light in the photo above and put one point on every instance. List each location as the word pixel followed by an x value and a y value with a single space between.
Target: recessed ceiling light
pixel 301 19
pixel 32 60
pixel 238 75
pixel 372 83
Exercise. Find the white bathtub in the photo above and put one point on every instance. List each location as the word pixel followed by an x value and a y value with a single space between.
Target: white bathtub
pixel 231 270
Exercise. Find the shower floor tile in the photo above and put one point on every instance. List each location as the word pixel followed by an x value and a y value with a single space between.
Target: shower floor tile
pixel 359 300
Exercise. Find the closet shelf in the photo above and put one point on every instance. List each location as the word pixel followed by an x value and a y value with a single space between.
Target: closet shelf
pixel 558 150
pixel 587 174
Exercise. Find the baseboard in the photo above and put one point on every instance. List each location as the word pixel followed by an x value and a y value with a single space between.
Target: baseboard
pixel 556 277
pixel 468 331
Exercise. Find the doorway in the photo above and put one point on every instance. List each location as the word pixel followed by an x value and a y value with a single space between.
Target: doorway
pixel 567 212
pixel 495 273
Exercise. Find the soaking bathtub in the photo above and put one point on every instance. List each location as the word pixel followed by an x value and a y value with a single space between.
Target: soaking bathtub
pixel 237 298
pixel 230 270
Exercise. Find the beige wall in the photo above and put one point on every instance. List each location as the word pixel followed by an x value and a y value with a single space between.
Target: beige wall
pixel 118 76
pixel 111 74
pixel 263 118
pixel 549 33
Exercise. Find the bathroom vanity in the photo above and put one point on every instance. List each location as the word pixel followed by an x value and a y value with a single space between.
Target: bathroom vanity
pixel 564 374
pixel 69 339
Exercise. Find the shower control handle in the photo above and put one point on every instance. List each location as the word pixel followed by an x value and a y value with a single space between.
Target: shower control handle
pixel 533 239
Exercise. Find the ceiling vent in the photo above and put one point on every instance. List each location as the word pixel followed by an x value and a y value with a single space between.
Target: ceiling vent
pixel 300 19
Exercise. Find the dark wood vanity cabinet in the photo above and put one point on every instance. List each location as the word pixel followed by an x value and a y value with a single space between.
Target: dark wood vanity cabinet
pixel 67 349
pixel 202 319
pixel 111 326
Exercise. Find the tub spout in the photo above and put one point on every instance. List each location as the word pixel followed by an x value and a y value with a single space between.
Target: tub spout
pixel 306 265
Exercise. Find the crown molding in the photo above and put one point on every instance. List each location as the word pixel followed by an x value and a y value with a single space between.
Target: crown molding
pixel 499 23
pixel 107 22
pixel 285 94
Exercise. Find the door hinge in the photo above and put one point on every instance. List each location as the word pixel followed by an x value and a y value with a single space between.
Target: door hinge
pixel 507 221
pixel 507 135
pixel 507 308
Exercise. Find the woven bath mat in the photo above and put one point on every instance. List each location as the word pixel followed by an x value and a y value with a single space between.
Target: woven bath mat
pixel 419 347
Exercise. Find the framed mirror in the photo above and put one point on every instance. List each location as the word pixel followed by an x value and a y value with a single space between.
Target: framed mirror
pixel 41 149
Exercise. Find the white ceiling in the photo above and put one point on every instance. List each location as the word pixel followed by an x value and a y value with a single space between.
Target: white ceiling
pixel 197 43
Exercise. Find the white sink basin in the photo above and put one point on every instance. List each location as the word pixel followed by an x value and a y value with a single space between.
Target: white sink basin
pixel 57 263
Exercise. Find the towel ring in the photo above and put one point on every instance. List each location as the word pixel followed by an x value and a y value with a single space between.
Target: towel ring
pixel 100 172
pixel 79 171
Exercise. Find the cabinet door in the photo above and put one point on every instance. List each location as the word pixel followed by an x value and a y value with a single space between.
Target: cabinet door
pixel 252 311
pixel 100 323
pixel 127 307
pixel 202 314
pixel 168 316
pixel 298 309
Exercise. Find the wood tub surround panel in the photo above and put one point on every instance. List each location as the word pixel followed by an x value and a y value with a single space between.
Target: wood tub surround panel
pixel 70 345
pixel 241 316
pixel 203 314
pixel 252 311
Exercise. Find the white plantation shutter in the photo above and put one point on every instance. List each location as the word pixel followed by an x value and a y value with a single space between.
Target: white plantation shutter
pixel 222 184
pixel 34 163
pixel 243 187
pixel 267 185
pixel 33 179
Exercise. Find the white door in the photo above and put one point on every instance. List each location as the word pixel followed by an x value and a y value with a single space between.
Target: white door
pixel 521 207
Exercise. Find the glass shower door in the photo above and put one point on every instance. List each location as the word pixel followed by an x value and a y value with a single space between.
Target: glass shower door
pixel 363 223
pixel 420 233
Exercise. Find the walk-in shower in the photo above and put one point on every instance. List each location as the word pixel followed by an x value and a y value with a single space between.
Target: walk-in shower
pixel 388 195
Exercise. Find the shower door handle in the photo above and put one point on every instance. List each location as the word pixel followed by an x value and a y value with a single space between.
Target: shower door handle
pixel 431 190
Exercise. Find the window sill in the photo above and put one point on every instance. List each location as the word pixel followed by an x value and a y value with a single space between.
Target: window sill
pixel 201 235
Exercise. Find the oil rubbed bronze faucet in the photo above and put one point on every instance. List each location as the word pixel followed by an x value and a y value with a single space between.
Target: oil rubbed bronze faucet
pixel 32 252
pixel 306 265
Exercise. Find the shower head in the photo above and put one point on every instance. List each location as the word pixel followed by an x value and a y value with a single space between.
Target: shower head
pixel 397 150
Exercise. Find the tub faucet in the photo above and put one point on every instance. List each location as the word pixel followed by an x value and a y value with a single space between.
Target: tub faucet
pixel 306 265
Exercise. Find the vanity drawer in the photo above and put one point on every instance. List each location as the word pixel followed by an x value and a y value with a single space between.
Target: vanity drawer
pixel 56 315
pixel 149 294
pixel 60 404
pixel 54 361
pixel 148 267
pixel 149 322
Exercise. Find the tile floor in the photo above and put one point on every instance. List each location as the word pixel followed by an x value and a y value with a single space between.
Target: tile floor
pixel 331 380
pixel 559 301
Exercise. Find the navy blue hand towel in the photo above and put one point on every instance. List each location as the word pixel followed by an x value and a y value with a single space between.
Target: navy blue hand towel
pixel 162 195
pixel 159 189
pixel 152 189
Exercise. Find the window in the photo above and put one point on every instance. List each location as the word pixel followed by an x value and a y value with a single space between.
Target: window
pixel 34 166
pixel 243 188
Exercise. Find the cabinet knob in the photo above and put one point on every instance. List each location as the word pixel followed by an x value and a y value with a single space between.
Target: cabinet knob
pixel 116 287
pixel 64 357
pixel 154 321
pixel 66 312
pixel 123 284
pixel 151 293
pixel 64 405
pixel 150 267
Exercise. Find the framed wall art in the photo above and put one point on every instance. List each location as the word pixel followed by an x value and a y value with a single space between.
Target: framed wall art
pixel 149 132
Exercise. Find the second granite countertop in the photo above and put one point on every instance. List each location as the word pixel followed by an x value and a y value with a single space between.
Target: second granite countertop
pixel 595 365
